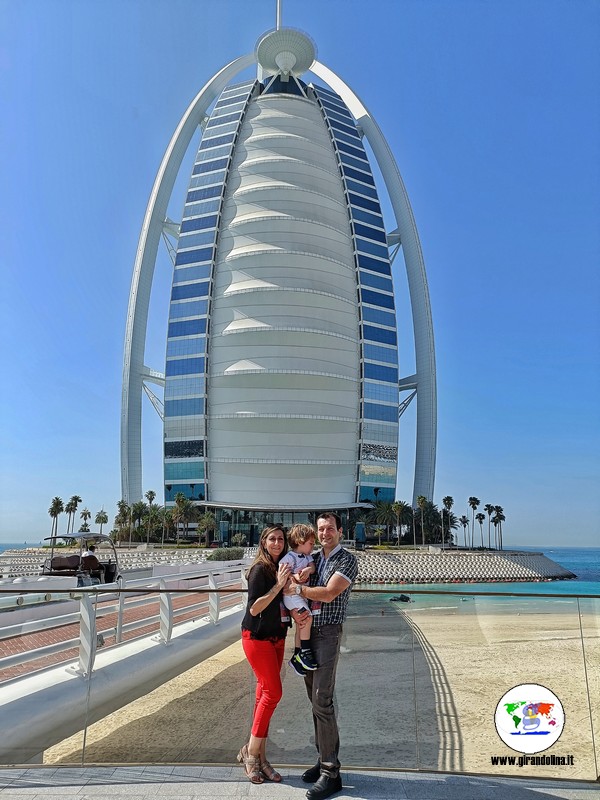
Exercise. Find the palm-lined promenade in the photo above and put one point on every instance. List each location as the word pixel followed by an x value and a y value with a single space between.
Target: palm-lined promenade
pixel 480 556
pixel 187 519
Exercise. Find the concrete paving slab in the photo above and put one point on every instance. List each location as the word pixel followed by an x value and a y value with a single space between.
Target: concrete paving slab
pixel 202 783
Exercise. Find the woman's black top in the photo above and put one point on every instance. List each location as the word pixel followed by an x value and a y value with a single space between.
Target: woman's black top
pixel 268 624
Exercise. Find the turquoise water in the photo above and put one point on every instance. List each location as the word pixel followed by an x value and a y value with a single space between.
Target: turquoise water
pixel 584 562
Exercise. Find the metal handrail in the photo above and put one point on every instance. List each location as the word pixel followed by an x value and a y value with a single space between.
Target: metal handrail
pixel 90 611
pixel 407 589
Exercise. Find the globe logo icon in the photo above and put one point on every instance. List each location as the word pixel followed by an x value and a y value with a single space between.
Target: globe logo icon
pixel 529 718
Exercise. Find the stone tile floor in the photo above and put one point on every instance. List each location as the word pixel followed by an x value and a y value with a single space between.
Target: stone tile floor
pixel 201 783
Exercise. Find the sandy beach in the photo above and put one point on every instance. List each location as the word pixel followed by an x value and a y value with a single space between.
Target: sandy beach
pixel 417 688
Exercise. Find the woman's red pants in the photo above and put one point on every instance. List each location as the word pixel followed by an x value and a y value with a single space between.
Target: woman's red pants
pixel 265 657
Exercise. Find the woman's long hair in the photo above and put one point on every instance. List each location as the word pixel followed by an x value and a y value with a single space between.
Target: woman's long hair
pixel 263 557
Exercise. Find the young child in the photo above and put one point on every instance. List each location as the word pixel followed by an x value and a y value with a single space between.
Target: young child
pixel 301 539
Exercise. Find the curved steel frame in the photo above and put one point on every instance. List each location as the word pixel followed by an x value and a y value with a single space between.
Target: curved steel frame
pixel 134 370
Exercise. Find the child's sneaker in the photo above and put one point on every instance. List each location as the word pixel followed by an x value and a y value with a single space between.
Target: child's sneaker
pixel 296 665
pixel 306 658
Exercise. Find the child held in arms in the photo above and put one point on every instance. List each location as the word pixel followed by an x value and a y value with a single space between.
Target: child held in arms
pixel 301 540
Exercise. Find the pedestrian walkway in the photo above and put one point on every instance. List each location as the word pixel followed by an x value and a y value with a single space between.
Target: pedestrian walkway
pixel 201 783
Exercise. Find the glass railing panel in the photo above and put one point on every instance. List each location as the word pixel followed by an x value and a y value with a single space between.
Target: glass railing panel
pixel 137 636
pixel 44 686
pixel 417 685
pixel 478 649
pixel 374 697
pixel 589 613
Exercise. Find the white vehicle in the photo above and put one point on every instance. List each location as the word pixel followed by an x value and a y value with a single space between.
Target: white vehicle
pixel 91 567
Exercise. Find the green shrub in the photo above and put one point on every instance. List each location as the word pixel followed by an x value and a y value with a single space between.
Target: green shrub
pixel 226 554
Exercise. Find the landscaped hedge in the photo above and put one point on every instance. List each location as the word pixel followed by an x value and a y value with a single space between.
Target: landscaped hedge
pixel 226 554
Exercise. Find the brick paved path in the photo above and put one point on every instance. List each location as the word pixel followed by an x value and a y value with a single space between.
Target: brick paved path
pixel 107 622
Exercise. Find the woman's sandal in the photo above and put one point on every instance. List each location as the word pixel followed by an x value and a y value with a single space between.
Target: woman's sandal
pixel 269 772
pixel 251 765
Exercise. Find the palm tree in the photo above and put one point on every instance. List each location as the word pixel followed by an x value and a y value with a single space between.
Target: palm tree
pixel 421 500
pixel 138 512
pixel 122 517
pixel 489 510
pixel 168 523
pixel 207 523
pixel 474 503
pixel 480 518
pixel 85 515
pixel 73 502
pixel 183 512
pixel 414 527
pixel 495 524
pixel 56 508
pixel 177 512
pixel 499 514
pixel 383 514
pixel 150 495
pixel 452 525
pixel 447 502
pixel 70 509
pixel 101 518
pixel 403 513
pixel 153 521
pixel 430 523
pixel 464 521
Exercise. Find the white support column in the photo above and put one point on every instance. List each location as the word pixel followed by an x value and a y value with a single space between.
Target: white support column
pixel 214 600
pixel 87 634
pixel 166 614
pixel 417 284
pixel 143 273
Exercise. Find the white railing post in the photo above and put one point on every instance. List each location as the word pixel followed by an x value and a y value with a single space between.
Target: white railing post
pixel 214 605
pixel 87 634
pixel 166 614
pixel 120 611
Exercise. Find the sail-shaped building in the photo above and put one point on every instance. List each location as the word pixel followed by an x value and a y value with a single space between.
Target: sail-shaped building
pixel 281 382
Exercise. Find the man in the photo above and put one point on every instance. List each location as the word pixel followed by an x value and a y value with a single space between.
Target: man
pixel 90 563
pixel 330 586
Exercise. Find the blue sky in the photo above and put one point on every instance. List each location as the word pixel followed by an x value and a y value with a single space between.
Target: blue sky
pixel 491 109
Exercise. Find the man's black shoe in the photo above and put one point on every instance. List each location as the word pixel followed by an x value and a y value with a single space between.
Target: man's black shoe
pixel 325 787
pixel 313 774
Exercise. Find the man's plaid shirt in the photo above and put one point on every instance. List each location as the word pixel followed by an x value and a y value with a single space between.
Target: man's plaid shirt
pixel 340 560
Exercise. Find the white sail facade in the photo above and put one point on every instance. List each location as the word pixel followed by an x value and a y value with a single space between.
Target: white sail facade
pixel 281 377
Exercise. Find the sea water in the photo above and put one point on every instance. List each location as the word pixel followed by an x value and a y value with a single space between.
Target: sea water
pixel 584 562
pixel 18 545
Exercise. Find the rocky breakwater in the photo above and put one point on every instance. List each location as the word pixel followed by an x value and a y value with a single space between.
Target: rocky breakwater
pixel 452 566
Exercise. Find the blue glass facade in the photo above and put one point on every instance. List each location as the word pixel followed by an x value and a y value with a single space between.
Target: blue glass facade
pixel 185 445
pixel 378 456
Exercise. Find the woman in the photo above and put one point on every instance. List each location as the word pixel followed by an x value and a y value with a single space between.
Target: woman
pixel 263 640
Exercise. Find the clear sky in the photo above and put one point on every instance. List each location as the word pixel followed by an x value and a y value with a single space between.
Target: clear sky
pixel 492 110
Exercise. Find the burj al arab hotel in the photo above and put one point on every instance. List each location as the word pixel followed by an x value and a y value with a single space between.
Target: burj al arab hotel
pixel 281 383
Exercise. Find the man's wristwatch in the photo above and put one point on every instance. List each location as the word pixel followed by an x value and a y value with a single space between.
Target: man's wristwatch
pixel 298 588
